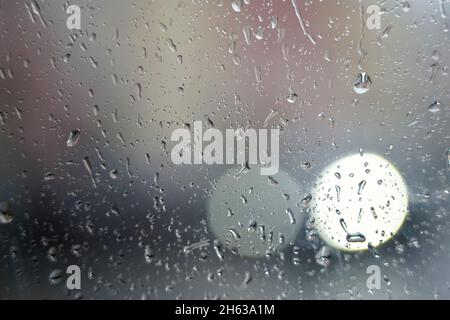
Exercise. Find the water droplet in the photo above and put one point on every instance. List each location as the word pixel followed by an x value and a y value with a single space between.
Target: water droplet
pixel 271 180
pixel 88 167
pixel 246 32
pixel 259 34
pixel 94 63
pixel 218 250
pixel 306 200
pixel 362 83
pixel 414 243
pixel 361 186
pixel 236 5
pixel 114 174
pixel 247 280
pixel 374 214
pixel 273 22
pixel 355 237
pixel 49 176
pixel 448 157
pixel 360 214
pixel 6 214
pixel 139 91
pixel 292 97
pixel 373 250
pixel 343 224
pixel 36 9
pixel 52 254
pixel 74 137
pixel 258 74
pixel 291 216
pixel 171 45
pixel 323 257
pixel 436 55
pixel 76 250
pixel 338 192
pixel 115 210
pixel 435 106
pixel 406 6
pixel 235 234
pixel 55 277
pixel 148 254
pixel 300 19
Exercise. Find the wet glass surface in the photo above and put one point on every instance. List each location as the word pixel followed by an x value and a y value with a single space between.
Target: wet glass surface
pixel 88 176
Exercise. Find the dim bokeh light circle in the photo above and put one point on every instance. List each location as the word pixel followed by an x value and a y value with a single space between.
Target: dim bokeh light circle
pixel 255 215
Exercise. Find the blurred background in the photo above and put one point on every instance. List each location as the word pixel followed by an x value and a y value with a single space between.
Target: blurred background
pixel 110 199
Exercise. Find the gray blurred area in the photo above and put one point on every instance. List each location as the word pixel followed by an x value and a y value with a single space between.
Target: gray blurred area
pixel 138 70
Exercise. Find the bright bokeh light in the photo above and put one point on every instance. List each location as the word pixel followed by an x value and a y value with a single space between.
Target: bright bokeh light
pixel 359 201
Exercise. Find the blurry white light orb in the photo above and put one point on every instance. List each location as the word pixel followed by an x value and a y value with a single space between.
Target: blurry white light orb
pixel 255 215
pixel 359 201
